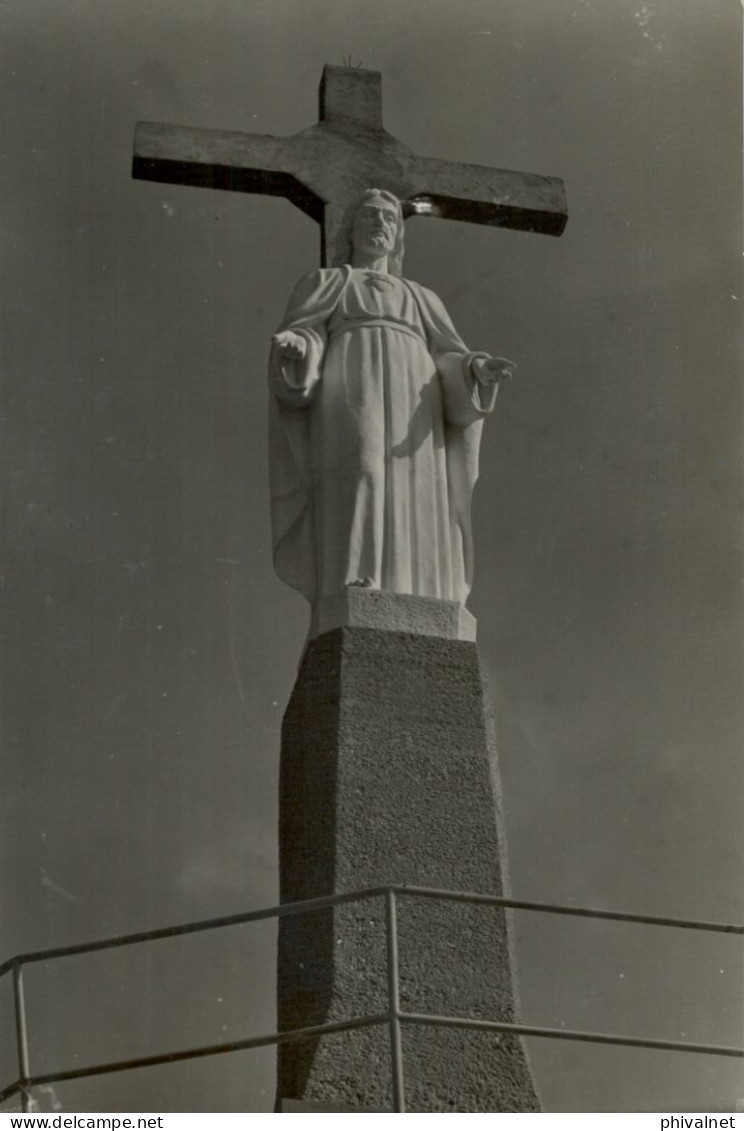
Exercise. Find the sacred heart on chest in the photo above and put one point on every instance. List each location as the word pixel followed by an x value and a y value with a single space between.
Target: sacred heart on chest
pixel 377 282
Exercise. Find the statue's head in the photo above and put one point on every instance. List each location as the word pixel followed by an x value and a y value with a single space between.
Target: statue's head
pixel 372 202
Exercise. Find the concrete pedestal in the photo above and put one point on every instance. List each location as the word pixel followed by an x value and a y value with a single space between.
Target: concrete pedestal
pixel 388 775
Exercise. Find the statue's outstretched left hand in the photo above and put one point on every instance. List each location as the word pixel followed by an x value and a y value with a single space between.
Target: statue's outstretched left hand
pixel 291 345
pixel 493 370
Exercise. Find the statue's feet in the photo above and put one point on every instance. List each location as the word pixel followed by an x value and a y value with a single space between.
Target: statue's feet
pixel 362 583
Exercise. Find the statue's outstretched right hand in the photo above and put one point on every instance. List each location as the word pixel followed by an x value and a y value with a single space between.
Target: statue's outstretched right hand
pixel 292 346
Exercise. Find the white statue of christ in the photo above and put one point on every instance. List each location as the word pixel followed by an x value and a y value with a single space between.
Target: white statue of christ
pixel 377 407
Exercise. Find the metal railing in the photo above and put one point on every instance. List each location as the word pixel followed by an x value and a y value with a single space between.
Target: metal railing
pixel 394 1017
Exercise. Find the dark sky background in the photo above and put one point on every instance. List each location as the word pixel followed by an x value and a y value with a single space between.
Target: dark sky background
pixel 148 650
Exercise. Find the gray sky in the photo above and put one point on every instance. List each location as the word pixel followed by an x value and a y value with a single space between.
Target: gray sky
pixel 148 650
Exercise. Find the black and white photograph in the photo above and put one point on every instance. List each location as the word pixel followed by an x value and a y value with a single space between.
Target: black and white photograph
pixel 371 643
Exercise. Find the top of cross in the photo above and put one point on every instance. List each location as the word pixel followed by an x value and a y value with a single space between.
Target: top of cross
pixel 349 94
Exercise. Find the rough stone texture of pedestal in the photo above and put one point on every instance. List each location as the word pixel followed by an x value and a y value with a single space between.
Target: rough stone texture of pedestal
pixel 356 607
pixel 389 775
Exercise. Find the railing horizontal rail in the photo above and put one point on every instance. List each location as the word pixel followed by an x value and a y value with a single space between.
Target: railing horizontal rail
pixel 322 902
pixel 405 1018
pixel 563 909
pixel 565 1034
pixel 195 1053
pixel 235 920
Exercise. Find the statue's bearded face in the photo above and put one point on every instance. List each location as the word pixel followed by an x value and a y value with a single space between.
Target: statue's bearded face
pixel 375 226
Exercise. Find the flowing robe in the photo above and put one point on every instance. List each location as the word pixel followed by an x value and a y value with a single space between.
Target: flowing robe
pixel 374 439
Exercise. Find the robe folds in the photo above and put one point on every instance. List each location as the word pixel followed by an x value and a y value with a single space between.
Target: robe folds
pixel 374 439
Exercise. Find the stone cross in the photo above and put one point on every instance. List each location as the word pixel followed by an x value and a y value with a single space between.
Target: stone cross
pixel 324 169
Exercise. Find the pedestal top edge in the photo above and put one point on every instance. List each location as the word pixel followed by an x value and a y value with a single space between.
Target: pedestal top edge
pixel 357 607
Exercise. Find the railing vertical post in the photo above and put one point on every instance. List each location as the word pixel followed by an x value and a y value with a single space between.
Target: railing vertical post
pixel 396 1046
pixel 19 1001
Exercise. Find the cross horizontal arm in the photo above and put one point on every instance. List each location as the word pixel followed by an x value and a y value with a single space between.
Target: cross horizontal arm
pixel 474 193
pixel 221 159
pixel 323 169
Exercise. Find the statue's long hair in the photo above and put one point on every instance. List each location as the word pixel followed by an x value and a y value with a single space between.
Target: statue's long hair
pixel 344 245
